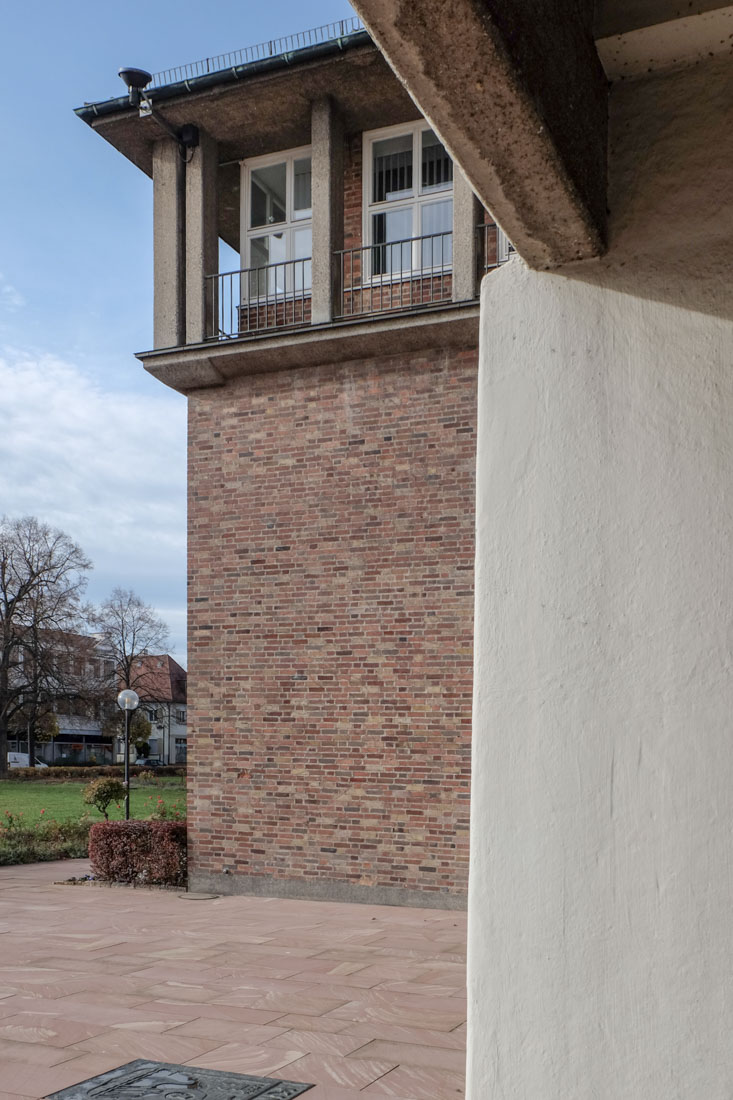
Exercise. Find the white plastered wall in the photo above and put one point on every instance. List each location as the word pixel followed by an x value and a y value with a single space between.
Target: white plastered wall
pixel 601 889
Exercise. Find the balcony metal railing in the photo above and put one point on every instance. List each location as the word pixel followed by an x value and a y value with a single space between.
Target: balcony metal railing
pixel 494 247
pixel 257 299
pixel 276 47
pixel 395 275
pixel 390 277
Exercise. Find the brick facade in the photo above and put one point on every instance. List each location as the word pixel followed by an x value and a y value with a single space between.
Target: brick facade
pixel 331 549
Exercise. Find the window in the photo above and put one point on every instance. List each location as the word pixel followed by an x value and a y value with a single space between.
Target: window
pixel 408 200
pixel 181 717
pixel 276 221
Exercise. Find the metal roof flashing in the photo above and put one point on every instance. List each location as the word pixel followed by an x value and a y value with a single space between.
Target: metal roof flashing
pixel 204 75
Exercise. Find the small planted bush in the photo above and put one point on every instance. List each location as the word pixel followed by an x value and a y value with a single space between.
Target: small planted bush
pixel 146 853
pixel 101 792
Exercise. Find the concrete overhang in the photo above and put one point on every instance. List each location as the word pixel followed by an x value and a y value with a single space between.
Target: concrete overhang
pixel 200 366
pixel 517 90
pixel 260 108
pixel 518 95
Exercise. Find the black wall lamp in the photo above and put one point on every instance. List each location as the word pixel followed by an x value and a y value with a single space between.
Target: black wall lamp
pixel 136 81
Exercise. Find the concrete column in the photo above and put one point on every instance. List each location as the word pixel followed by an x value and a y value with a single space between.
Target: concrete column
pixel 601 882
pixel 466 213
pixel 202 239
pixel 328 206
pixel 168 245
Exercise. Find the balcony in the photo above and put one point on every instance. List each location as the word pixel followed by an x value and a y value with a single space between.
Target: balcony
pixel 413 274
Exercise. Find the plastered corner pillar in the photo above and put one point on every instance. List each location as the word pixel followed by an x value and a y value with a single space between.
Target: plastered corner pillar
pixel 601 883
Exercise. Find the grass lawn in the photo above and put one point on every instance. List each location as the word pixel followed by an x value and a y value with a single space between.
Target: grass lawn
pixel 63 801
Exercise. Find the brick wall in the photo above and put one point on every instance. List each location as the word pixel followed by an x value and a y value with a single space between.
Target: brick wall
pixel 331 558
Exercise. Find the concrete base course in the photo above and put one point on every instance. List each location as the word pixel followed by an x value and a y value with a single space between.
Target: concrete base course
pixel 260 886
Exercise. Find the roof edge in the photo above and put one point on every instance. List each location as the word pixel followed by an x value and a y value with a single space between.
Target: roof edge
pixel 92 111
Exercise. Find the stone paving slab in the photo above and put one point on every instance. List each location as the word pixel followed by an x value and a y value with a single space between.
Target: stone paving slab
pixel 360 1000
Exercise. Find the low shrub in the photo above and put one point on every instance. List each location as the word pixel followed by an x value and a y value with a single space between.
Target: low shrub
pixel 22 843
pixel 145 853
pixel 89 771
pixel 100 792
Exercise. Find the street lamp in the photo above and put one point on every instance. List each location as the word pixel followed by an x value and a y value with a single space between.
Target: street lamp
pixel 127 701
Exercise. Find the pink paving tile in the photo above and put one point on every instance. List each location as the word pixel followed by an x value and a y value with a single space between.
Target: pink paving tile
pixel 384 1011
pixel 39 1081
pixel 33 1054
pixel 419 1084
pixel 451 1040
pixel 182 991
pixel 413 1054
pixel 299 1020
pixel 129 1044
pixel 231 1031
pixel 333 1092
pixel 290 1002
pixel 186 1010
pixel 422 989
pixel 318 1042
pixel 239 1058
pixel 347 1073
pixel 30 1027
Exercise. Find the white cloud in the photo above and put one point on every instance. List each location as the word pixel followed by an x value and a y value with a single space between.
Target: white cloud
pixel 11 300
pixel 105 465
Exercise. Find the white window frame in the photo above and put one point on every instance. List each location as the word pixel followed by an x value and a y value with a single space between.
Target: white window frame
pixel 415 202
pixel 289 226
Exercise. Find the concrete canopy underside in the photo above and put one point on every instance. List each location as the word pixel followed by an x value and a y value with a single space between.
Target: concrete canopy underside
pixel 518 95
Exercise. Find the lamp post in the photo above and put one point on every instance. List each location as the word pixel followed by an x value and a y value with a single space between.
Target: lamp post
pixel 127 701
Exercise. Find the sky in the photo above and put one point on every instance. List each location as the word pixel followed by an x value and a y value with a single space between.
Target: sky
pixel 89 442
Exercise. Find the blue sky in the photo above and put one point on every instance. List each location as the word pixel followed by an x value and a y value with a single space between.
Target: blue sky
pixel 88 441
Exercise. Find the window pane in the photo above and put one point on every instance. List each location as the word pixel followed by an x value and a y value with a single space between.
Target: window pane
pixel 437 227
pixel 302 188
pixel 392 168
pixel 437 167
pixel 302 249
pixel 267 195
pixel 264 251
pixel 391 232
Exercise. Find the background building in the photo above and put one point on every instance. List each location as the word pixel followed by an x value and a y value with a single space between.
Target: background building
pixel 161 684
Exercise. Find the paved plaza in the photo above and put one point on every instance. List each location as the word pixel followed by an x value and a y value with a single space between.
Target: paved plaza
pixel 365 1001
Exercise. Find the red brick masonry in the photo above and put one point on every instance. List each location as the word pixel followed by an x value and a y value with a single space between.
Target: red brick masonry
pixel 331 601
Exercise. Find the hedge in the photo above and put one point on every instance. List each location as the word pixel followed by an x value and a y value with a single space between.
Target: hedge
pixel 92 771
pixel 20 843
pixel 146 853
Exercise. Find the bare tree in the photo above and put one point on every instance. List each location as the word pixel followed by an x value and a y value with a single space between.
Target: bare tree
pixel 129 630
pixel 42 578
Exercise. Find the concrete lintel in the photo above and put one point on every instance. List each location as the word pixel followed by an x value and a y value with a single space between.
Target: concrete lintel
pixel 518 95
pixel 212 364
pixel 202 241
pixel 168 245
pixel 327 160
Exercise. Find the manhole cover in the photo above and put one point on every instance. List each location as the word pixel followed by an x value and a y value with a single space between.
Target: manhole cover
pixel 141 1079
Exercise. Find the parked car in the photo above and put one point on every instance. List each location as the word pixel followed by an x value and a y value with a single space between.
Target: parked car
pixel 22 760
